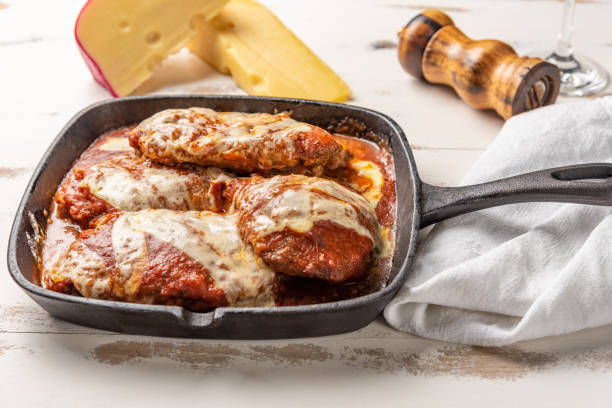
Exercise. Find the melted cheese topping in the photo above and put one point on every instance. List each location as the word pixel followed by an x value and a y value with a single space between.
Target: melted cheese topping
pixel 86 269
pixel 121 189
pixel 370 171
pixel 199 132
pixel 131 255
pixel 304 201
pixel 151 188
pixel 209 238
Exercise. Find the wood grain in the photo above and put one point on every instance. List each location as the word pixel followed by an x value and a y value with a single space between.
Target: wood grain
pixel 11 172
pixel 487 74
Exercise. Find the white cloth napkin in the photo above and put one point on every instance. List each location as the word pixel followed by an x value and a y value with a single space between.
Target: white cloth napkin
pixel 520 271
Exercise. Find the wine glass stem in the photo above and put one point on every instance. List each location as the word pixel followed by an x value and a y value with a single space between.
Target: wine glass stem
pixel 563 48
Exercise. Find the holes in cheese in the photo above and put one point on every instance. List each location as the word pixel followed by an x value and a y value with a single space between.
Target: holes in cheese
pixel 263 56
pixel 153 37
pixel 121 41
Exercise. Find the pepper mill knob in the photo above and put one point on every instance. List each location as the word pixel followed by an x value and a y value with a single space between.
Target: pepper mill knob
pixel 487 74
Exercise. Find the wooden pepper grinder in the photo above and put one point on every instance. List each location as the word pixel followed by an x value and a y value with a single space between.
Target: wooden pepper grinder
pixel 487 74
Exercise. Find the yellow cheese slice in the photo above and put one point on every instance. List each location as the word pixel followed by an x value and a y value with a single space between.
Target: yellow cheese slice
pixel 121 41
pixel 265 58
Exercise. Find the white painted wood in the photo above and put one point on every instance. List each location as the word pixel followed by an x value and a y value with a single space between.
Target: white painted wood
pixel 47 362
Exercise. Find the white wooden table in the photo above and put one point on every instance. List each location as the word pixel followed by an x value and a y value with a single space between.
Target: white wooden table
pixel 46 362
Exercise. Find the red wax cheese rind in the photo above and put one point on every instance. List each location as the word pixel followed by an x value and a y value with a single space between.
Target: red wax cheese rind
pixel 122 41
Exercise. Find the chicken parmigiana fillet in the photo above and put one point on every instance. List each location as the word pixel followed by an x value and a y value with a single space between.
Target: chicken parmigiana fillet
pixel 105 181
pixel 293 225
pixel 306 226
pixel 189 258
pixel 245 142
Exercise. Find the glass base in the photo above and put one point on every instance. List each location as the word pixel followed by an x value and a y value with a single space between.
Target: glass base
pixel 580 76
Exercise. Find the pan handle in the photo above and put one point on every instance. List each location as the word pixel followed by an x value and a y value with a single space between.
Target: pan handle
pixel 582 184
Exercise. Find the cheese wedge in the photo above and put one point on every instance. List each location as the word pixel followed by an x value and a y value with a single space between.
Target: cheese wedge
pixel 265 58
pixel 121 41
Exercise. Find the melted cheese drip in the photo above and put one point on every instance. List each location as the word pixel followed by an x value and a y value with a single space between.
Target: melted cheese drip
pixel 198 130
pixel 85 269
pixel 116 144
pixel 302 204
pixel 217 175
pixel 370 171
pixel 59 236
pixel 210 239
pixel 131 255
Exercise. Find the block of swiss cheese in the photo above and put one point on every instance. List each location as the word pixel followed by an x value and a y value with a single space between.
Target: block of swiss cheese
pixel 121 41
pixel 264 57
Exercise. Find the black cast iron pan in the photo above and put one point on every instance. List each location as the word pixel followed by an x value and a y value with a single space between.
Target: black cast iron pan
pixel 419 205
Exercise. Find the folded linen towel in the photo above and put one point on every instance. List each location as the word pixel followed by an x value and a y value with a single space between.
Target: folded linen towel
pixel 520 271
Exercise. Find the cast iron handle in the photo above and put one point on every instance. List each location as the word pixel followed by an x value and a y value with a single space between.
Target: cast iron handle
pixel 582 184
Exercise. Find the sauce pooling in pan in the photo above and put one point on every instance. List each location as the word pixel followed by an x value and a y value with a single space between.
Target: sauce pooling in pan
pixel 124 226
